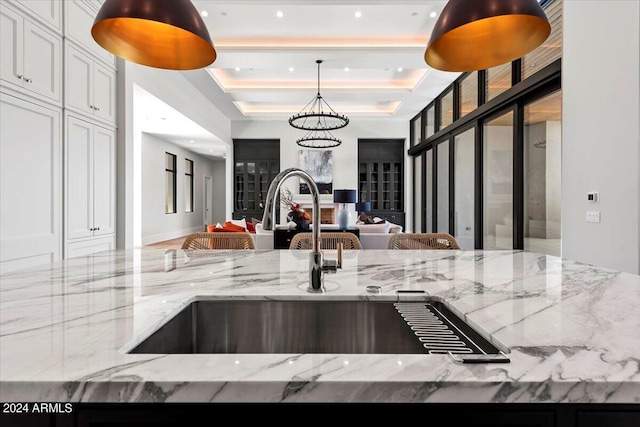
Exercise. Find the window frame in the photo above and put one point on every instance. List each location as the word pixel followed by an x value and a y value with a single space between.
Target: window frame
pixel 189 193
pixel 174 175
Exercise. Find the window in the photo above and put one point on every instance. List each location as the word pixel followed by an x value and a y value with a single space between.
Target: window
pixel 469 94
pixel 551 49
pixel 430 122
pixel 170 179
pixel 446 110
pixel 188 185
pixel 498 80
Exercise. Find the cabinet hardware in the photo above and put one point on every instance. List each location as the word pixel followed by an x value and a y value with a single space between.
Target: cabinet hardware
pixel 20 77
pixel 91 229
pixel 96 108
pixel 97 228
pixel 27 80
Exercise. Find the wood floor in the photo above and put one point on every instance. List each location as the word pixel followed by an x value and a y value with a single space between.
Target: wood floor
pixel 167 244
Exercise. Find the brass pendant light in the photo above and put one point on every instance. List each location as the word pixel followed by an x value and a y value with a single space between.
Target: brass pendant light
pixel 167 34
pixel 474 35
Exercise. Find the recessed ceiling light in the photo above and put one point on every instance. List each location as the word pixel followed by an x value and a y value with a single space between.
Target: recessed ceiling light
pixel 291 69
pixel 400 69
pixel 223 13
pixel 346 68
pixel 204 13
pixel 211 151
pixel 279 14
pixel 358 14
pixel 191 140
pixel 414 13
pixel 433 14
pixel 237 68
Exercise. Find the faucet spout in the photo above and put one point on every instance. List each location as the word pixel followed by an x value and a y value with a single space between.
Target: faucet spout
pixel 316 265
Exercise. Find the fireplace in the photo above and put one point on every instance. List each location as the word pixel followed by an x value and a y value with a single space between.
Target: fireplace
pixel 327 215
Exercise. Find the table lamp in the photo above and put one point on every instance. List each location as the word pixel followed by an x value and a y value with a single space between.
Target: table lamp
pixel 363 207
pixel 344 197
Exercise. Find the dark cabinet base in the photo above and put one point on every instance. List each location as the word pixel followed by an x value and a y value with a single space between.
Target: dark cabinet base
pixel 472 415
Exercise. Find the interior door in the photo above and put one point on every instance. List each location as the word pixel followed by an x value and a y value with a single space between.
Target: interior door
pixel 104 192
pixel 208 198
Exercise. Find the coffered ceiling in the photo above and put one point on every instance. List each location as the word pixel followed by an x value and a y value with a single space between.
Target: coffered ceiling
pixel 372 52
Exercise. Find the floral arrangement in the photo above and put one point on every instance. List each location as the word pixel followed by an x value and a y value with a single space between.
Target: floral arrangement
pixel 296 214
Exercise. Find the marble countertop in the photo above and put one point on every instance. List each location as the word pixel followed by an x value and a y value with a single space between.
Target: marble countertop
pixel 572 329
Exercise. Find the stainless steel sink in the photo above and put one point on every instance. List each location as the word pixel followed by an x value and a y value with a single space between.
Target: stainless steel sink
pixel 341 327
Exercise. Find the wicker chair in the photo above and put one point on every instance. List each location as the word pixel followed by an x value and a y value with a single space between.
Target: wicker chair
pixel 218 241
pixel 422 241
pixel 328 240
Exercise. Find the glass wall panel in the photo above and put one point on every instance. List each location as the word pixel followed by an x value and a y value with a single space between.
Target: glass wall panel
pixel 443 187
pixel 551 49
pixel 542 176
pixel 498 182
pixel 416 128
pixel 417 190
pixel 464 183
pixel 469 94
pixel 498 80
pixel 430 121
pixel 428 182
pixel 446 110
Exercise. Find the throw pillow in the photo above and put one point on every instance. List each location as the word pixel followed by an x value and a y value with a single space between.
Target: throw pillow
pixel 255 221
pixel 239 222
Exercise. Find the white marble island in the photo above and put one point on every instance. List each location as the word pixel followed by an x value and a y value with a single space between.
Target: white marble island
pixel 572 329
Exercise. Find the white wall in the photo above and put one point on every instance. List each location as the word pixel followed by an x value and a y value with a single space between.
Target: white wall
pixel 219 177
pixel 173 88
pixel 156 224
pixel 345 156
pixel 601 132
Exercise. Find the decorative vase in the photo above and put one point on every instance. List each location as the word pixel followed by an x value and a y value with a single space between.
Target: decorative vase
pixel 344 217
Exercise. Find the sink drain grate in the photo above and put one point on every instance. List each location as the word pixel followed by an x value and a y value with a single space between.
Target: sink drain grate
pixel 442 332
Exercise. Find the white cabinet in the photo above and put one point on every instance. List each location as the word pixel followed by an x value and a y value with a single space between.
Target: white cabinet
pixel 30 185
pixel 90 88
pixel 48 12
pixel 31 57
pixel 79 17
pixel 90 180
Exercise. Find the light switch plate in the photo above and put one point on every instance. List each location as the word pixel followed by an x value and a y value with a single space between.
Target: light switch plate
pixel 593 216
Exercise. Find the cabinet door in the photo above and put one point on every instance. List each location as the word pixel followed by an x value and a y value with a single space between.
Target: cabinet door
pixel 11 42
pixel 79 19
pixel 104 93
pixel 79 171
pixel 78 80
pixel 104 182
pixel 42 61
pixel 48 11
pixel 30 184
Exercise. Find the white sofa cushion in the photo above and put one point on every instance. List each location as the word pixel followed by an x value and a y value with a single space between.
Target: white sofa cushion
pixel 382 228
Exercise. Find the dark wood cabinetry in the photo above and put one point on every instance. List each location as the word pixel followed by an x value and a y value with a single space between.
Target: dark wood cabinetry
pixel 256 163
pixel 381 177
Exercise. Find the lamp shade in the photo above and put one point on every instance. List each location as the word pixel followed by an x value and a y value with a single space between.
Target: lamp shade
pixel 167 34
pixel 363 206
pixel 474 35
pixel 344 196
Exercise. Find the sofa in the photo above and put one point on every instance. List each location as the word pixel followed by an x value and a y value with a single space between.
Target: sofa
pixel 372 236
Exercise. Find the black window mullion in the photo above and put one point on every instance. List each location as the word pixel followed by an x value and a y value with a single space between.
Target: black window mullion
pixel 482 87
pixel 516 72
pixel 479 176
pixel 456 100
pixel 434 188
pixel 423 195
pixel 452 151
pixel 518 177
